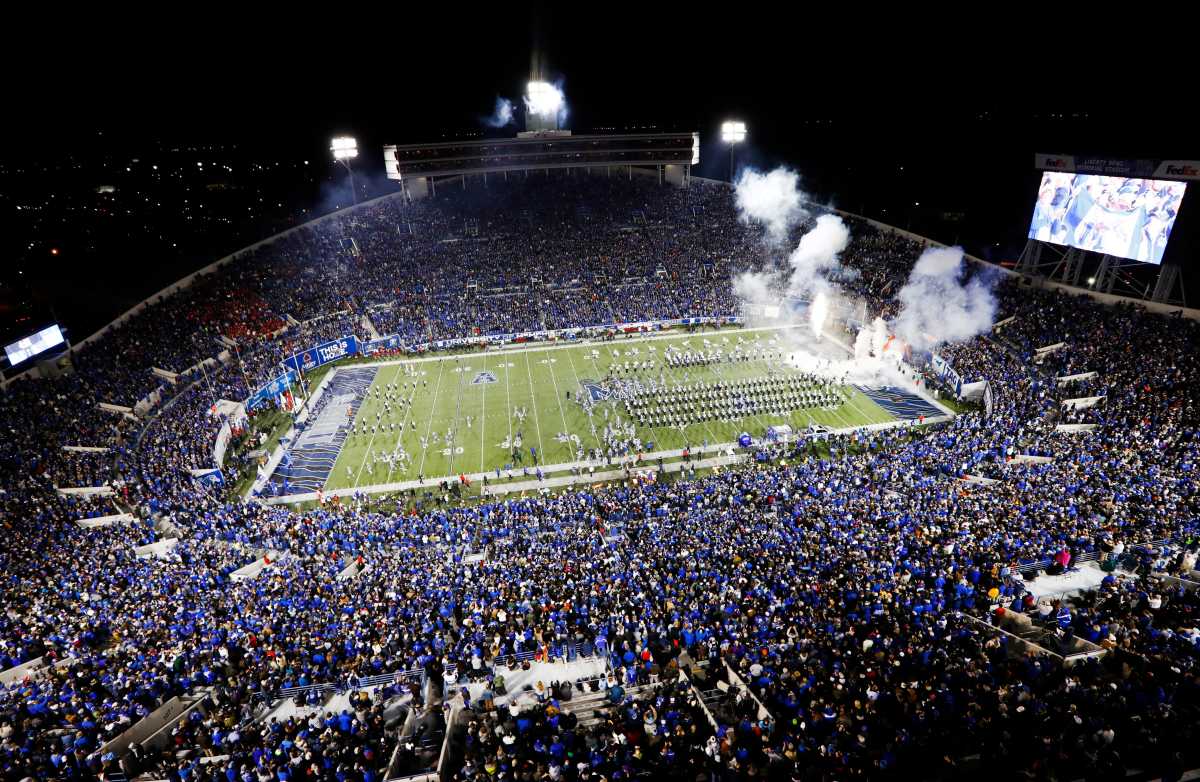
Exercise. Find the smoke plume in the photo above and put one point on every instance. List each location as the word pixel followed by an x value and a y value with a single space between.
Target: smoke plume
pixel 816 257
pixel 937 305
pixel 502 114
pixel 773 200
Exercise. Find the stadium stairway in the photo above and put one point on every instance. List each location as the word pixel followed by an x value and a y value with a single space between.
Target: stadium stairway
pixel 589 706
pixel 369 326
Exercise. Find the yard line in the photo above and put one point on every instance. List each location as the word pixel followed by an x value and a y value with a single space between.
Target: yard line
pixel 508 365
pixel 483 416
pixel 550 368
pixel 866 411
pixel 457 413
pixel 403 425
pixel 536 425
pixel 432 413
pixel 363 463
pixel 581 390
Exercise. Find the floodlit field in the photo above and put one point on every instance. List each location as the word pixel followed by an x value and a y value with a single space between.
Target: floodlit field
pixel 489 388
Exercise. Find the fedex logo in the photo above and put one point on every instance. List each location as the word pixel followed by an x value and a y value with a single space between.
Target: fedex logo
pixel 1056 162
pixel 1183 171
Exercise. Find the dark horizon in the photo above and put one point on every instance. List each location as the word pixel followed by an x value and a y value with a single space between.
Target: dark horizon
pixel 939 141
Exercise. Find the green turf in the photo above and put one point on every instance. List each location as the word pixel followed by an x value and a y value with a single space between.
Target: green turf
pixel 538 378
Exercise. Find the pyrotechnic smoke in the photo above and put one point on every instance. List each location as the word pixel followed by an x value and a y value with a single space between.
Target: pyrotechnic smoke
pixel 938 306
pixel 758 289
pixel 816 257
pixel 772 200
pixel 812 272
pixel 502 115
pixel 818 313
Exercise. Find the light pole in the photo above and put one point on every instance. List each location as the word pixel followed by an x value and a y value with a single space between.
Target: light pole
pixel 732 133
pixel 345 149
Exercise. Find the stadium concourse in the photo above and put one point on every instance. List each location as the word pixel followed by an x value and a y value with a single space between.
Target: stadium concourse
pixel 873 612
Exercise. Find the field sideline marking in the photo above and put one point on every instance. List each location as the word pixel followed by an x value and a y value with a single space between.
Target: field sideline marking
pixel 533 393
pixel 483 418
pixel 432 412
pixel 407 412
pixel 650 336
pixel 363 463
pixel 561 413
pixel 591 421
pixel 457 412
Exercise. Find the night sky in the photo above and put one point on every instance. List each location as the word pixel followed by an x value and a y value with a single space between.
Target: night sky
pixel 877 117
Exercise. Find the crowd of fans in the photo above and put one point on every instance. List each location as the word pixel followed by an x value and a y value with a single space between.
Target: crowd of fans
pixel 856 589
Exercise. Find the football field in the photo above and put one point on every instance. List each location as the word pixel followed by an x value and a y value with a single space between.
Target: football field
pixel 469 413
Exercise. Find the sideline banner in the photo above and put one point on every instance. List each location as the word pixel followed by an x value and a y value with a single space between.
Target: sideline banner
pixel 322 354
pixel 271 390
pixel 946 373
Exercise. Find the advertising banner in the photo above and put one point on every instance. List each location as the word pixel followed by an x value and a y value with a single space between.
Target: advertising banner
pixel 1178 169
pixel 322 354
pixel 271 390
pixel 391 342
pixel 1094 165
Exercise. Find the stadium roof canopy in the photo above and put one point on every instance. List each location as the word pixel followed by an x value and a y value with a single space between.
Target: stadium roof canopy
pixel 540 151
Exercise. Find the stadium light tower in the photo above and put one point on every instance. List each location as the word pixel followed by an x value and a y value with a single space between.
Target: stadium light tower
pixel 543 103
pixel 345 149
pixel 732 133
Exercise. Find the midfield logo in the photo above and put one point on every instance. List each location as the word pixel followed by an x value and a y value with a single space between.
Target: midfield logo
pixel 594 390
pixel 484 377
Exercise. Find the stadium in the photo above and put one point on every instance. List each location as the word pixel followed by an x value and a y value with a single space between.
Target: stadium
pixel 558 460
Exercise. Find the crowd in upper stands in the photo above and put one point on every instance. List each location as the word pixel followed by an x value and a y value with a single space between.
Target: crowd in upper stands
pixel 858 591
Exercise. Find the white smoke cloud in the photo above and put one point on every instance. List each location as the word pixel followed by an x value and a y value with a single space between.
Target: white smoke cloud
pixel 773 200
pixel 816 257
pixel 936 306
pixel 813 273
pixel 761 297
pixel 502 114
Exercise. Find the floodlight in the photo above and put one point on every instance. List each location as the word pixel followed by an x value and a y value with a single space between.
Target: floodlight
pixel 733 132
pixel 344 147
pixel 543 98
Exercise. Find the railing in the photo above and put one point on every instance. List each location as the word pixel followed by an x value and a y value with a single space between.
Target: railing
pixel 511 661
pixel 416 675
pixel 1089 556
